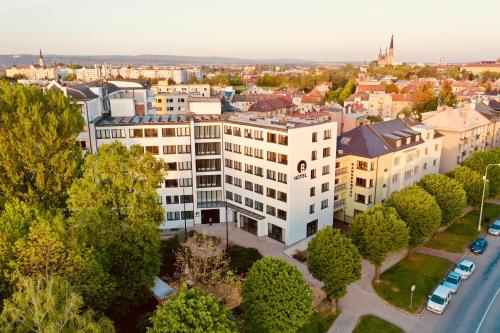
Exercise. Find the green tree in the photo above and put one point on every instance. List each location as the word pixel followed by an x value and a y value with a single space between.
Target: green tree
pixel 478 162
pixel 191 310
pixel 40 305
pixel 334 260
pixel 116 213
pixel 419 210
pixel 348 90
pixel 472 183
pixel 449 195
pixel 446 95
pixel 39 154
pixel 377 232
pixel 424 98
pixel 276 297
pixel 391 88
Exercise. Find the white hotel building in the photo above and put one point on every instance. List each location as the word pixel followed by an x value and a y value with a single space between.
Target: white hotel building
pixel 271 176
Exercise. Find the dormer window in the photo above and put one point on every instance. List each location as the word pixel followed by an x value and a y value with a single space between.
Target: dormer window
pixel 398 143
pixel 417 138
pixel 408 140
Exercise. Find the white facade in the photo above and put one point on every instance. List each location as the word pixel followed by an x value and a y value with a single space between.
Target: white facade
pixel 241 169
pixel 209 105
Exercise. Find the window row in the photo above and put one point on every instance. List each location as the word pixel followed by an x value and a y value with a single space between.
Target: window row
pixel 257 205
pixel 182 215
pixel 256 135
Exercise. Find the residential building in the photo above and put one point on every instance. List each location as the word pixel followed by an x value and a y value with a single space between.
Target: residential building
pixel 272 176
pixel 196 90
pixel 171 103
pixel 464 131
pixel 481 67
pixel 374 160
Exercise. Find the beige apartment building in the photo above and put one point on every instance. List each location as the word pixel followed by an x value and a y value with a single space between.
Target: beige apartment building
pixel 378 159
pixel 464 131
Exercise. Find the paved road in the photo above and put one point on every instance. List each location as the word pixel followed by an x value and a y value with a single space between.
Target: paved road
pixel 476 306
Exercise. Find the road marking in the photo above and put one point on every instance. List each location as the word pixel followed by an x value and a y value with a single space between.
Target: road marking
pixel 487 310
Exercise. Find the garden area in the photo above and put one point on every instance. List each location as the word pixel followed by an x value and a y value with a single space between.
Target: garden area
pixel 423 271
pixel 373 324
pixel 457 237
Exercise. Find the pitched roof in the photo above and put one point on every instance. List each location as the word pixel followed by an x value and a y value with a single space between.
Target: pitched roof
pixel 459 119
pixel 402 97
pixel 370 87
pixel 80 92
pixel 361 95
pixel 270 105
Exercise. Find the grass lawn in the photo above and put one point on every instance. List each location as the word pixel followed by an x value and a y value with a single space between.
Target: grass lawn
pixel 320 322
pixel 373 324
pixel 459 235
pixel 424 271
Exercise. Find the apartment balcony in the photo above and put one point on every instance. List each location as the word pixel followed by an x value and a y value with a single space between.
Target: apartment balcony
pixel 338 204
pixel 340 187
pixel 340 171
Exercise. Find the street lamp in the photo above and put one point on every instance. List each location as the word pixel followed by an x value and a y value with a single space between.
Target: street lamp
pixel 484 191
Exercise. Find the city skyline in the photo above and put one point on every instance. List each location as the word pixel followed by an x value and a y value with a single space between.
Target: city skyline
pixel 321 31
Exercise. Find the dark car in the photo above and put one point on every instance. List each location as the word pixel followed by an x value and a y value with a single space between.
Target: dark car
pixel 479 245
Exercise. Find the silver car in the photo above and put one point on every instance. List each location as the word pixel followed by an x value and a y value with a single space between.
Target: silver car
pixel 494 228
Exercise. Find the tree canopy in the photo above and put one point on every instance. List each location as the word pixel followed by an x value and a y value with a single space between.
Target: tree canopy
pixel 276 297
pixel 472 183
pixel 478 162
pixel 449 195
pixel 419 210
pixel 377 232
pixel 39 154
pixel 446 95
pixel 334 260
pixel 115 212
pixel 49 305
pixel 424 98
pixel 192 311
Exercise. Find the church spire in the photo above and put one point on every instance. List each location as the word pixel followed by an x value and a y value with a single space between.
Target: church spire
pixel 40 59
pixel 392 42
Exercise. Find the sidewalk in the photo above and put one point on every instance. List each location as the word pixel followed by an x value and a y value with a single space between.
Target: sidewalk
pixel 453 257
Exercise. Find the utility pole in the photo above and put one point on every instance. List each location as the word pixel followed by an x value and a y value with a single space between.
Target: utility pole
pixel 485 179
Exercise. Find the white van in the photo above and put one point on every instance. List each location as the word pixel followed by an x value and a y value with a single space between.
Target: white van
pixel 439 299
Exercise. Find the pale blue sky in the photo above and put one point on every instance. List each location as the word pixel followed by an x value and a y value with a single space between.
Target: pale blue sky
pixel 328 30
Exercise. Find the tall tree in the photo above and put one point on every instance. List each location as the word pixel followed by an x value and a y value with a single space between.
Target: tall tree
pixel 472 183
pixel 419 210
pixel 191 310
pixel 51 305
pixel 276 297
pixel 39 154
pixel 424 98
pixel 115 212
pixel 478 162
pixel 391 88
pixel 446 95
pixel 377 232
pixel 334 260
pixel 449 195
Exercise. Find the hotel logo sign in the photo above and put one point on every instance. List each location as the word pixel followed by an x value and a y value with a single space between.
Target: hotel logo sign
pixel 301 169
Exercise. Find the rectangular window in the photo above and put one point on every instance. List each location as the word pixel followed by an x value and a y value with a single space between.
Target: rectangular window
pixel 237 148
pixel 173 216
pixel 135 133
pixel 271 137
pixel 213 196
pixel 187 215
pixel 395 178
pixel 228 146
pixel 168 132
pixel 312 191
pixel 436 147
pixel 271 156
pixel 185 165
pixel 187 198
pixel 170 149
pixel 259 206
pixel 206 165
pixel 258 153
pixel 236 131
pixel 183 149
pixel 229 195
pixel 408 174
pixel 313 173
pixel 208 181
pixel 325 187
pixel 270 210
pixel 228 130
pixel 248 168
pixel 327 134
pixel 150 132
pixel 326 152
pixel 425 166
pixel 258 188
pixel 281 196
pixel 283 159
pixel 102 134
pixel 248 151
pixel 229 179
pixel 315 137
pixel 172 199
pixel 271 193
pixel 207 132
pixel 283 140
pixel 183 131
pixel 324 204
pixel 258 171
pixel 237 165
pixel 155 150
pixel 248 133
pixel 172 166
pixel 271 174
pixel 258 135
pixel 326 169
pixel 185 182
pixel 249 202
pixel 396 161
pixel 361 182
pixel 282 177
pixel 171 183
pixel 237 181
pixel 248 185
pixel 314 155
pixel 207 148
pixel 362 165
pixel 281 214
pixel 311 209
pixel 118 133
pixel 228 163
pixel 237 198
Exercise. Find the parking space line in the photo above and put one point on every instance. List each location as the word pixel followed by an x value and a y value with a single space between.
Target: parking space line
pixel 487 310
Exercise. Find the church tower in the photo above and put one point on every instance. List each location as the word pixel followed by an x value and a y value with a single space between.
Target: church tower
pixel 40 60
pixel 390 57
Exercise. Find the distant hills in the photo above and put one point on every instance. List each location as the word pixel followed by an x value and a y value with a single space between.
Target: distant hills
pixel 146 59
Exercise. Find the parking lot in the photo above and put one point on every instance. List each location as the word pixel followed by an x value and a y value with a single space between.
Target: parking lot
pixel 475 308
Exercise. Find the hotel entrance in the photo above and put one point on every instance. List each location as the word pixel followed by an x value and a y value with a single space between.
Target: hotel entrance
pixel 275 232
pixel 248 224
pixel 210 216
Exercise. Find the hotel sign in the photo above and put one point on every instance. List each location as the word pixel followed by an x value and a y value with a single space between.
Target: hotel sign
pixel 301 169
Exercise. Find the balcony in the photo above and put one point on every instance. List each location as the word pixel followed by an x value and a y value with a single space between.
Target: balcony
pixel 340 187
pixel 340 171
pixel 338 204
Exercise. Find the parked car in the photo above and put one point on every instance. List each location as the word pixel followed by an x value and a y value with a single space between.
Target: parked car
pixel 452 281
pixel 479 245
pixel 438 300
pixel 494 228
pixel 465 268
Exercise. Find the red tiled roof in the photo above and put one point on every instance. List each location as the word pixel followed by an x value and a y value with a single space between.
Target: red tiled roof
pixel 370 87
pixel 270 105
pixel 402 97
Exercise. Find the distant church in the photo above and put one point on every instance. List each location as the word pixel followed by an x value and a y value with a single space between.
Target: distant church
pixel 388 57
